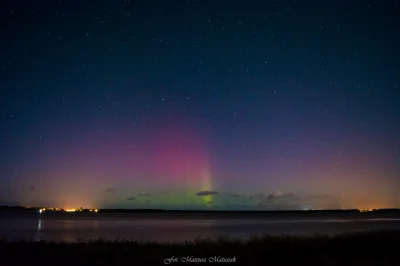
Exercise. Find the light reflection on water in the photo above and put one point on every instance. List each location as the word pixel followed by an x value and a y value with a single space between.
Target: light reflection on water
pixel 39 228
pixel 74 227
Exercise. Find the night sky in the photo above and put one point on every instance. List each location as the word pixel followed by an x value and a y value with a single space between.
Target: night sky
pixel 200 104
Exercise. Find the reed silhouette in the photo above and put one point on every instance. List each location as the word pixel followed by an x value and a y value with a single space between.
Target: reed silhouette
pixel 367 248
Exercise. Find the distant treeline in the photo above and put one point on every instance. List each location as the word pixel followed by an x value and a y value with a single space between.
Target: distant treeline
pixel 214 211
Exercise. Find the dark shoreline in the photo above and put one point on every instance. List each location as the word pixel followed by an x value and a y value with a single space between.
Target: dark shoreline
pixel 374 212
pixel 367 248
pixel 236 215
pixel 390 210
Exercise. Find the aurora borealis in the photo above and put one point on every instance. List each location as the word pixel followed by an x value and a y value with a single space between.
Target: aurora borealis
pixel 200 104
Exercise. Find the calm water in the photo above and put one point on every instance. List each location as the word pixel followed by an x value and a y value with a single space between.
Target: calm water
pixel 16 225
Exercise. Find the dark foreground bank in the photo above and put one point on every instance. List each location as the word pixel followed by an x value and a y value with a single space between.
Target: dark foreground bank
pixel 368 248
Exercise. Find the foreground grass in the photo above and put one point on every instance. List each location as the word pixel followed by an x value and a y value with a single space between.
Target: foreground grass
pixel 369 248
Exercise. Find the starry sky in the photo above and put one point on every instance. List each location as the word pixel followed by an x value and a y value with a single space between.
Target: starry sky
pixel 230 105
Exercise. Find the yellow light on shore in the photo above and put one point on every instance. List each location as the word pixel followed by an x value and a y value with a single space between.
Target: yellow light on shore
pixel 366 210
pixel 41 210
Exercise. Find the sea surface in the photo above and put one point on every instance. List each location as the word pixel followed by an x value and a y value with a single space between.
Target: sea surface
pixel 175 227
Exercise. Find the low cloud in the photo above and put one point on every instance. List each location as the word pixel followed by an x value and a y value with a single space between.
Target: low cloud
pixel 291 201
pixel 206 193
pixel 258 197
pixel 275 195
pixel 109 190
pixel 235 195
pixel 281 201
pixel 131 198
